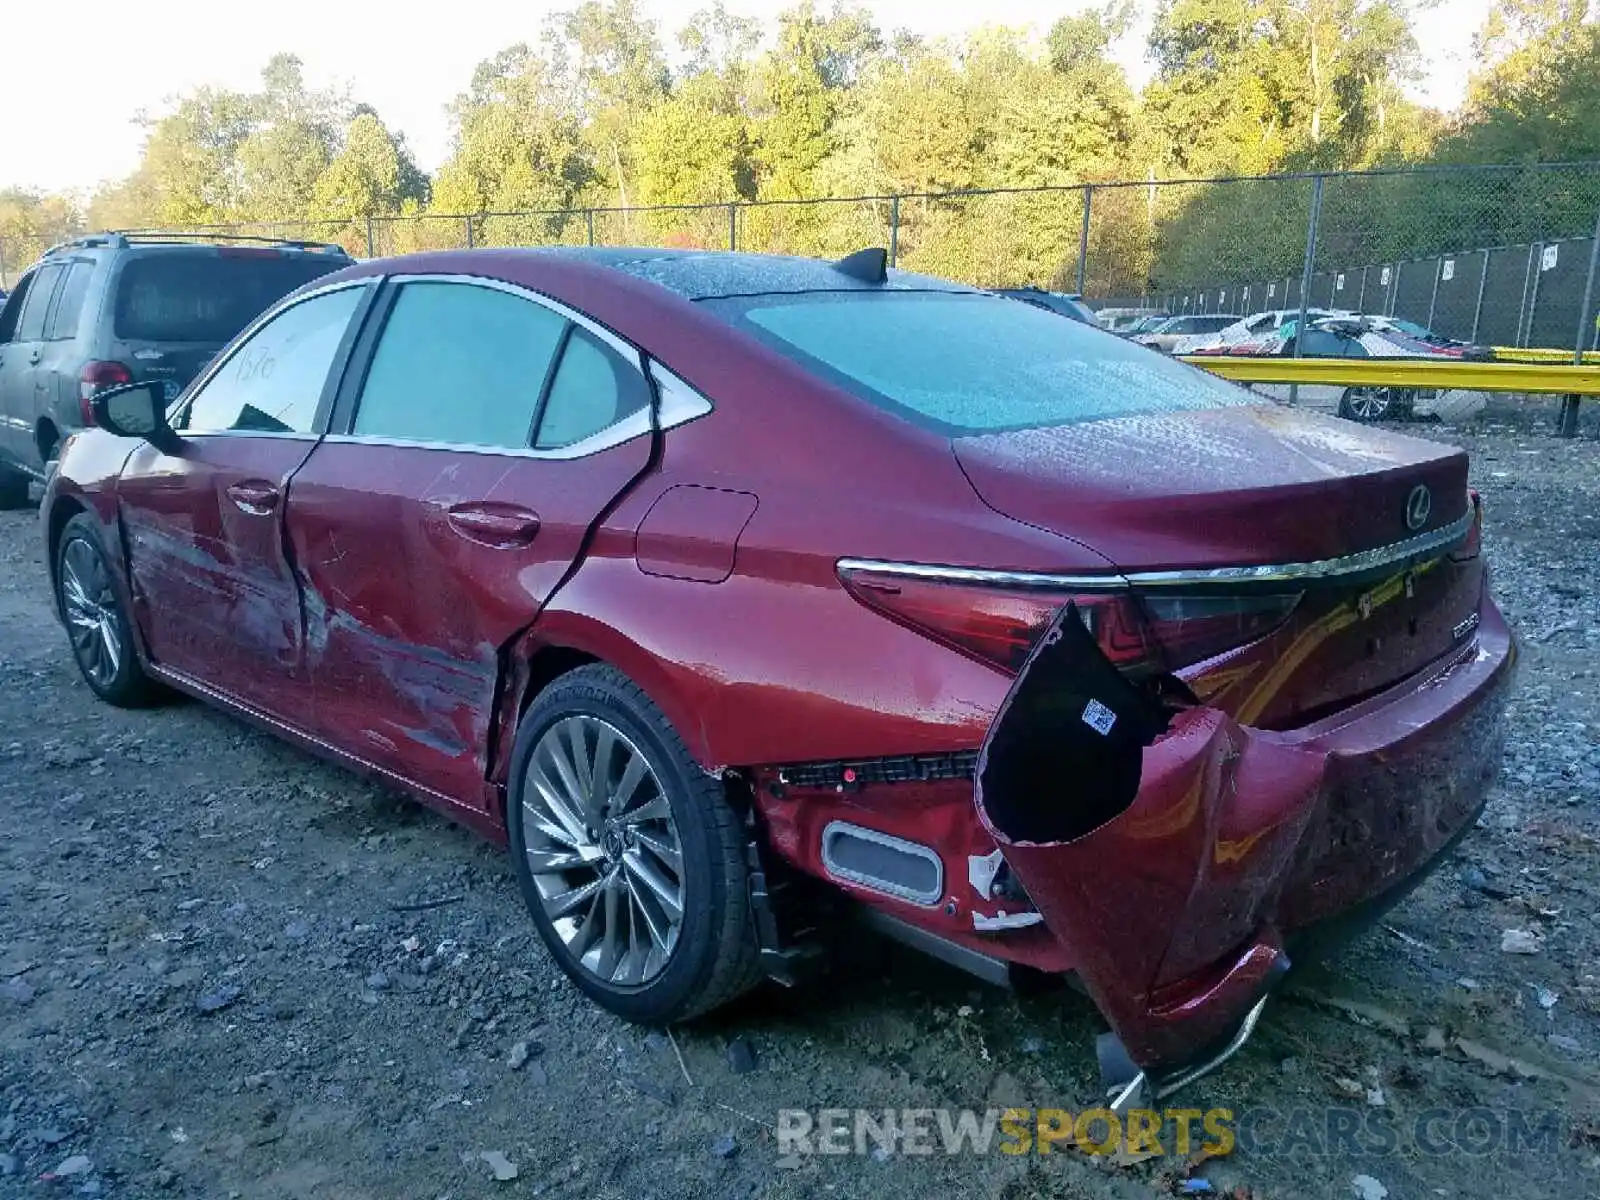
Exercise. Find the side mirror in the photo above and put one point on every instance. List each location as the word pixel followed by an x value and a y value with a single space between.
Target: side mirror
pixel 136 410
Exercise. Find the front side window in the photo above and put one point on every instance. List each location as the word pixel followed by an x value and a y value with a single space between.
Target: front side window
pixel 593 389
pixel 459 364
pixel 273 382
pixel 963 364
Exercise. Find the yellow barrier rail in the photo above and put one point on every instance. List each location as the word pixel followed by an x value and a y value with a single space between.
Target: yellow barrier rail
pixel 1540 354
pixel 1545 378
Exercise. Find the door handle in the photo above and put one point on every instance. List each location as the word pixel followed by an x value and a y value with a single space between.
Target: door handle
pixel 254 496
pixel 490 523
pixel 34 358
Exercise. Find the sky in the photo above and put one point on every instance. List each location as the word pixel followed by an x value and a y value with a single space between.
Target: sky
pixel 70 102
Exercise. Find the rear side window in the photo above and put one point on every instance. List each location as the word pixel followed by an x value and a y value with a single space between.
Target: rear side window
pixel 459 365
pixel 967 364
pixel 30 326
pixel 206 294
pixel 594 388
pixel 68 313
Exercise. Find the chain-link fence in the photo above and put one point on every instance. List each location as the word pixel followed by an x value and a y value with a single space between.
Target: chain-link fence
pixel 1496 254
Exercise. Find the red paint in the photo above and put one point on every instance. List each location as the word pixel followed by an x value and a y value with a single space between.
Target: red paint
pixel 386 605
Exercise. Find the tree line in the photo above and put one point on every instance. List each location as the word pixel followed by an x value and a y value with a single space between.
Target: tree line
pixel 595 114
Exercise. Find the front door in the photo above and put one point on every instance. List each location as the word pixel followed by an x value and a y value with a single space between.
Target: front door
pixel 213 591
pixel 489 434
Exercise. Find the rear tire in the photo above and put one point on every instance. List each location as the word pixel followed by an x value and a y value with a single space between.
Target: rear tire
pixel 638 886
pixel 1376 404
pixel 13 487
pixel 97 628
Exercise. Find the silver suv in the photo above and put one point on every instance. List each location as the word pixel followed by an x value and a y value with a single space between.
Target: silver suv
pixel 122 308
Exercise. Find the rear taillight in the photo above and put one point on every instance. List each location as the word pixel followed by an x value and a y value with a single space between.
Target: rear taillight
pixel 1472 544
pixel 95 378
pixel 999 625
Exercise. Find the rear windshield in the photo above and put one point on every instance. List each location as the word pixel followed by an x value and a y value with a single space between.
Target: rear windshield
pixel 204 295
pixel 967 364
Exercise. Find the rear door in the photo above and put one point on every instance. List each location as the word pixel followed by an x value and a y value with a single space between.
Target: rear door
pixel 213 591
pixel 58 381
pixel 20 381
pixel 490 431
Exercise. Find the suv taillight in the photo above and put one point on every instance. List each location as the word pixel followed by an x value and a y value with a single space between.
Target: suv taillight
pixel 96 377
pixel 999 625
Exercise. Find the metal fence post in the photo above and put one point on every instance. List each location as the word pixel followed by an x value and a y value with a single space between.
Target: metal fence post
pixel 1393 298
pixel 1477 308
pixel 1361 300
pixel 588 214
pixel 894 230
pixel 1569 405
pixel 1533 298
pixel 370 253
pixel 1083 238
pixel 1522 300
pixel 1433 297
pixel 733 227
pixel 470 242
pixel 1306 273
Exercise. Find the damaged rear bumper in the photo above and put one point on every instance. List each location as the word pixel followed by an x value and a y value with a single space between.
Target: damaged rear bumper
pixel 1175 904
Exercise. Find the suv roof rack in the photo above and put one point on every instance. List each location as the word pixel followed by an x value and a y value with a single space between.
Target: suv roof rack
pixel 121 239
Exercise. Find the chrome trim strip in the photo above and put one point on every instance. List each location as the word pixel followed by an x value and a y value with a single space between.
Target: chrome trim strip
pixel 1360 562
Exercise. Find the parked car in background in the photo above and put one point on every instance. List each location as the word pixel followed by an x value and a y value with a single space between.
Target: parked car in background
pixel 1120 320
pixel 718 587
pixel 1068 304
pixel 1452 347
pixel 1255 326
pixel 1364 337
pixel 118 308
pixel 1146 324
pixel 1168 333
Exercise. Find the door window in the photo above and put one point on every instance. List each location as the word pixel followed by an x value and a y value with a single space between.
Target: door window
pixel 69 305
pixel 30 326
pixel 459 364
pixel 273 382
pixel 594 388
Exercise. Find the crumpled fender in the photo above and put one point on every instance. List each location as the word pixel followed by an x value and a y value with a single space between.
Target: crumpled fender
pixel 1153 842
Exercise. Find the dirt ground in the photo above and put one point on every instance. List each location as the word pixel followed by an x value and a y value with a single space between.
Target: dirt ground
pixel 227 970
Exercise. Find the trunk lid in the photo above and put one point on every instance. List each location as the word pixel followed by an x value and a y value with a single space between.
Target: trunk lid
pixel 1250 486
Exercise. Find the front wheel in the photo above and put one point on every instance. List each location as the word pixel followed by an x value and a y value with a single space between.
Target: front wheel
pixel 97 628
pixel 630 857
pixel 1376 403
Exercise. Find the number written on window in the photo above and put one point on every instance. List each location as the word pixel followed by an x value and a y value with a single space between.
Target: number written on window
pixel 273 383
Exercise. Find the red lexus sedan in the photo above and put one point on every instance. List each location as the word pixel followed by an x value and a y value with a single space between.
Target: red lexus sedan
pixel 703 579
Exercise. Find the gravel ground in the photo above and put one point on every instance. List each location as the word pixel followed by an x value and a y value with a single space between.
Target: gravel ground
pixel 227 970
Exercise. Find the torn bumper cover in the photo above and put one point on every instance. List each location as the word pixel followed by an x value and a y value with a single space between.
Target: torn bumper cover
pixel 1172 853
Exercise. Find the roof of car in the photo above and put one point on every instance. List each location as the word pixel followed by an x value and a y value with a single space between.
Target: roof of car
pixel 707 274
pixel 693 274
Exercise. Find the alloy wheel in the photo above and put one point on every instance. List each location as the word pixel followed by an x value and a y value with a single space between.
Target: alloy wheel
pixel 90 607
pixel 1368 403
pixel 603 850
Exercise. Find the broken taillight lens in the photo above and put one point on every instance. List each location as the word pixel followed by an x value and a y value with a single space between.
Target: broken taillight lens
pixel 999 625
pixel 1472 544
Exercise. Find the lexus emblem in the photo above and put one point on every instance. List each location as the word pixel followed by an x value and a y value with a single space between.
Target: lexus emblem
pixel 1419 505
